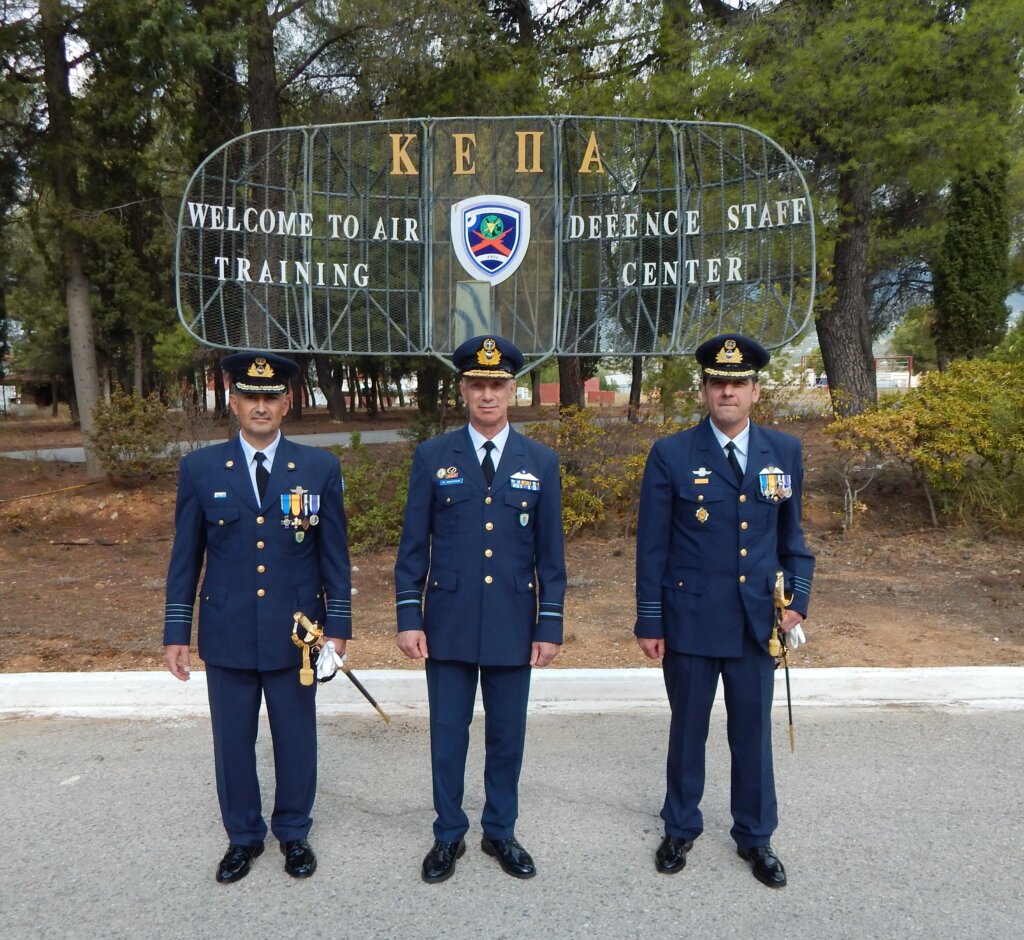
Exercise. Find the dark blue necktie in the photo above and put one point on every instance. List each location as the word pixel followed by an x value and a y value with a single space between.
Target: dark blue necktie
pixel 730 450
pixel 487 464
pixel 262 474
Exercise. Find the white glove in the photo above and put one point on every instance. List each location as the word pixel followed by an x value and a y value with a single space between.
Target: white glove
pixel 795 638
pixel 328 662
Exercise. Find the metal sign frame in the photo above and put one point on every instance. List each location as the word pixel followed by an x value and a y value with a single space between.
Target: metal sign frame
pixel 634 237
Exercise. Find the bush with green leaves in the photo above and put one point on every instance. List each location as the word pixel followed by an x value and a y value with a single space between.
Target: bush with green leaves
pixel 375 490
pixel 131 436
pixel 960 433
pixel 602 467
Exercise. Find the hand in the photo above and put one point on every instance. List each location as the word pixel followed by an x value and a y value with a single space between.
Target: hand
pixel 339 645
pixel 795 637
pixel 329 660
pixel 413 643
pixel 792 632
pixel 653 647
pixel 177 658
pixel 790 619
pixel 543 653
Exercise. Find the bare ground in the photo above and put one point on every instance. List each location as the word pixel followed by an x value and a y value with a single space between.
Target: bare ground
pixel 82 571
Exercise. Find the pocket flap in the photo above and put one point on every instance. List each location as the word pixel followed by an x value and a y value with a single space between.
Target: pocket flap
pixel 221 515
pixel 443 580
pixel 526 582
pixel 450 495
pixel 521 499
pixel 688 580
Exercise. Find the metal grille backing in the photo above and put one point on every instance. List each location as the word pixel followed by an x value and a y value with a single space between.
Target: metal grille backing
pixel 644 237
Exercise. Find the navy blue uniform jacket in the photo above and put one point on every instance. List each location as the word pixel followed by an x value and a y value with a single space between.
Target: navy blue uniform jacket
pixel 708 549
pixel 483 574
pixel 257 574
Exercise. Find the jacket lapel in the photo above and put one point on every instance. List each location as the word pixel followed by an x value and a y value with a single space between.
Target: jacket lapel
pixel 285 462
pixel 759 455
pixel 714 456
pixel 238 474
pixel 512 456
pixel 468 459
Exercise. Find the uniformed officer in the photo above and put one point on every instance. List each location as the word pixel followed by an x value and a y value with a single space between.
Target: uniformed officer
pixel 480 581
pixel 719 516
pixel 268 517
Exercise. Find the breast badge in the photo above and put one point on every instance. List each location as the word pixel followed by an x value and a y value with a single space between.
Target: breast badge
pixel 300 509
pixel 449 476
pixel 524 480
pixel 702 515
pixel 775 485
pixel 701 475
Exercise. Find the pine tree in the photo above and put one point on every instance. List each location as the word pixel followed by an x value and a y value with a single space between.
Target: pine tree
pixel 972 270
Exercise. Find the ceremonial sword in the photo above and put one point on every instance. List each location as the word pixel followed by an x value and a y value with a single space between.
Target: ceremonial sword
pixel 314 640
pixel 777 645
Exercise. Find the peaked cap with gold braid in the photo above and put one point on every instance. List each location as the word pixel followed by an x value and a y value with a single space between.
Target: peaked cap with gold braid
pixel 731 356
pixel 259 373
pixel 491 357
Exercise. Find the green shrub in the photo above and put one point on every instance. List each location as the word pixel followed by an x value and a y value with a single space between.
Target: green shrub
pixel 376 483
pixel 130 436
pixel 961 433
pixel 602 467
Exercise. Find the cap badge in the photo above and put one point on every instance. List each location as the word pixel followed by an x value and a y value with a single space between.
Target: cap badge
pixel 489 354
pixel 729 353
pixel 260 369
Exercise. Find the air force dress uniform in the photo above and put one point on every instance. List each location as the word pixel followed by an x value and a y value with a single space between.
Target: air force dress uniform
pixel 265 559
pixel 481 570
pixel 708 549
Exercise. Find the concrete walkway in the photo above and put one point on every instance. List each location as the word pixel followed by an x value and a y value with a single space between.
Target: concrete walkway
pixel 342 438
pixel 900 815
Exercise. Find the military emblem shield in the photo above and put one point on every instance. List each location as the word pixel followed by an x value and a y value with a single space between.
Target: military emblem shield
pixel 490 235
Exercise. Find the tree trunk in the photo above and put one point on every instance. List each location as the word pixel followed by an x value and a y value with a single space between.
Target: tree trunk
pixel 298 400
pixel 570 382
pixel 354 398
pixel 63 173
pixel 137 379
pixel 636 386
pixel 843 331
pixel 535 388
pixel 330 386
pixel 220 403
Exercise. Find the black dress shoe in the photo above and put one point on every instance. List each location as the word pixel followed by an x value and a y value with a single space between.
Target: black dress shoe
pixel 767 867
pixel 671 855
pixel 299 858
pixel 512 857
pixel 237 861
pixel 440 861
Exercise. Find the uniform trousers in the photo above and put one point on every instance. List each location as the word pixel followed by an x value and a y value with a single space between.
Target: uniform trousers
pixel 451 691
pixel 235 696
pixel 749 685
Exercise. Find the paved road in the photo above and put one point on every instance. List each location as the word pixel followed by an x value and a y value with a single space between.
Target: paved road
pixel 896 822
pixel 343 438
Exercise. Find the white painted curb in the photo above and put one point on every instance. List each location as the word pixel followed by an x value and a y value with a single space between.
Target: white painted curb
pixel 156 694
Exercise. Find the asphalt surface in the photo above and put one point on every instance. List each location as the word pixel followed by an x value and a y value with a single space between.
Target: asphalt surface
pixel 896 821
pixel 342 438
